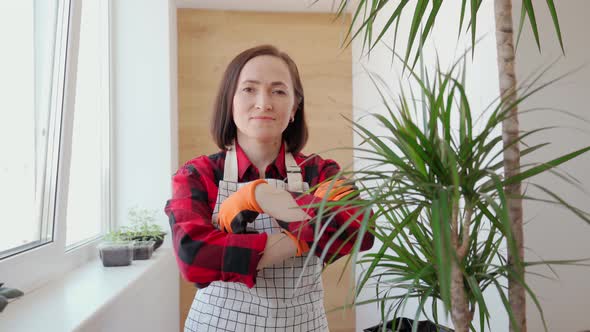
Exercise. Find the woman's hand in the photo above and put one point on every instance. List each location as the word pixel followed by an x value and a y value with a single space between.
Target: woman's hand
pixel 240 208
pixel 291 218
pixel 278 248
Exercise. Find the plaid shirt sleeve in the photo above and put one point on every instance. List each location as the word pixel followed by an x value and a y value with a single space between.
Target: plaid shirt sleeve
pixel 318 171
pixel 204 253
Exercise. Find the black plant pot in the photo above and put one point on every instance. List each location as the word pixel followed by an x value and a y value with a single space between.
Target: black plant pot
pixel 158 242
pixel 405 325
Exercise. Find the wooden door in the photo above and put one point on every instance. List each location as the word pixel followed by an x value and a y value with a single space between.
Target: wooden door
pixel 208 40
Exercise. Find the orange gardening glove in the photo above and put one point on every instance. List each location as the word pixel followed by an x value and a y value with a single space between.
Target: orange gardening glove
pixel 301 233
pixel 339 189
pixel 239 209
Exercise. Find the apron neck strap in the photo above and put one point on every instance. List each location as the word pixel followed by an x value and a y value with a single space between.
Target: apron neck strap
pixel 230 169
pixel 294 178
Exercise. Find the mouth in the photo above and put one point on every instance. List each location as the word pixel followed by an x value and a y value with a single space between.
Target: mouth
pixel 262 118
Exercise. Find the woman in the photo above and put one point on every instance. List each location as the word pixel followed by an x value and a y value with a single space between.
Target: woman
pixel 239 231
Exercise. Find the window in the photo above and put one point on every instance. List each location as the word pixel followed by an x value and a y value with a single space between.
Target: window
pixel 29 88
pixel 88 194
pixel 54 136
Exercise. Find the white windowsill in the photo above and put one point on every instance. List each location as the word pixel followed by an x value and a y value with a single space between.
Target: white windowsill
pixel 67 303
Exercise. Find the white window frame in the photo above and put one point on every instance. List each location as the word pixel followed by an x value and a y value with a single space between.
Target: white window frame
pixel 32 268
pixel 107 147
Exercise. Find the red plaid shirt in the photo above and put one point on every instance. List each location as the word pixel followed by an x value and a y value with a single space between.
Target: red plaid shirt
pixel 204 253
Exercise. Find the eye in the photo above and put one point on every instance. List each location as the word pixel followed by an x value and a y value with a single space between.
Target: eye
pixel 280 92
pixel 248 89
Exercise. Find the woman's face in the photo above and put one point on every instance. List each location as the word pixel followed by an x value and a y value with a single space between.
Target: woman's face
pixel 264 100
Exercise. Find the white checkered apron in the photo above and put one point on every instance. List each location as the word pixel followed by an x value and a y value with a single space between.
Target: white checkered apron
pixel 278 301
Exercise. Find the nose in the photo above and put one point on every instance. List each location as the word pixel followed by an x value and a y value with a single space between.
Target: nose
pixel 263 101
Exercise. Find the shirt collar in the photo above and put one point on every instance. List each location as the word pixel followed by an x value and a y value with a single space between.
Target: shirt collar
pixel 244 163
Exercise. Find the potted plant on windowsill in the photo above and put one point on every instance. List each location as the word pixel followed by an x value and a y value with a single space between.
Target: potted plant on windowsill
pixel 116 249
pixel 144 227
pixel 143 246
pixel 143 249
pixel 7 295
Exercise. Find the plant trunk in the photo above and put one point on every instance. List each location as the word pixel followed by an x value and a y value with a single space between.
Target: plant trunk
pixel 460 313
pixel 507 76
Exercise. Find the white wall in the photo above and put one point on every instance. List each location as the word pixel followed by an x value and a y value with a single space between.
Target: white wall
pixel 482 88
pixel 142 106
pixel 550 232
pixel 145 135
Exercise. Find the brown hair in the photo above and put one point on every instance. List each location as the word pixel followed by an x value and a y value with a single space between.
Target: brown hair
pixel 224 129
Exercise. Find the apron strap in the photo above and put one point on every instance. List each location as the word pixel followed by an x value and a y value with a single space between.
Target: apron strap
pixel 230 169
pixel 294 178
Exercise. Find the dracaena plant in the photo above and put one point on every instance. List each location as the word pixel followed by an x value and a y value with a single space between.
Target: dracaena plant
pixel 435 185
pixel 364 23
